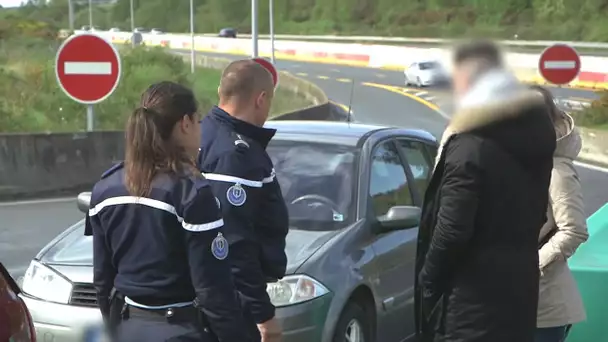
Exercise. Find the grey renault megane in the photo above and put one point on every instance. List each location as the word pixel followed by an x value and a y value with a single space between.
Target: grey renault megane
pixel 353 193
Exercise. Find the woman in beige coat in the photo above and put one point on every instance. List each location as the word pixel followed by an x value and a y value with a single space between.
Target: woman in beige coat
pixel 560 304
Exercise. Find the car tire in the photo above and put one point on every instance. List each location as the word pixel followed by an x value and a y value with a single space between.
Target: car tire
pixel 353 321
pixel 418 82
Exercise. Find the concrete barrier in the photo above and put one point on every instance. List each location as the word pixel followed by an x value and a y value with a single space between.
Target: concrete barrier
pixel 46 165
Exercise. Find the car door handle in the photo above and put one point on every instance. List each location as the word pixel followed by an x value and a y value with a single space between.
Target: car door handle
pixel 388 303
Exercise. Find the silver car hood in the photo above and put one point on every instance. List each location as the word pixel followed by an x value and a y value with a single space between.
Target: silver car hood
pixel 71 254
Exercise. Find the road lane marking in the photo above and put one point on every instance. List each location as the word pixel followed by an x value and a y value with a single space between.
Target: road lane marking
pixel 322 77
pixel 343 106
pixel 403 92
pixel 380 75
pixel 87 68
pixel 344 80
pixel 301 74
pixel 39 201
pixel 421 93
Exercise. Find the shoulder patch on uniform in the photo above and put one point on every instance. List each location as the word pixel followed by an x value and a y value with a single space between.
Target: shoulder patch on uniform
pixel 241 143
pixel 236 195
pixel 113 169
pixel 219 247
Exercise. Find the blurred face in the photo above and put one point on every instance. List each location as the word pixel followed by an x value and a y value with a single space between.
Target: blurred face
pixel 187 134
pixel 460 81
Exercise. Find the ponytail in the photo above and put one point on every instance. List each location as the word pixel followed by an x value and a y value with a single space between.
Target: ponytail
pixel 149 151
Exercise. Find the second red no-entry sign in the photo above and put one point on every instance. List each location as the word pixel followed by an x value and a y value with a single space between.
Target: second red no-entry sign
pixel 559 64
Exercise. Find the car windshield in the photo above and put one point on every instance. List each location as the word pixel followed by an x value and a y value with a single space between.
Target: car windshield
pixel 72 249
pixel 429 65
pixel 317 181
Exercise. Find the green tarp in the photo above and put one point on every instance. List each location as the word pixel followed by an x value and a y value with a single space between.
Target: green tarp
pixel 590 268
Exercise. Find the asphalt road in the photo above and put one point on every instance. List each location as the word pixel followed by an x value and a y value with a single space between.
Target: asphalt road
pixel 375 96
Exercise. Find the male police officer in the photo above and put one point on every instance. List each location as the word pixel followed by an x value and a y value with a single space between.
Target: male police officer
pixel 233 157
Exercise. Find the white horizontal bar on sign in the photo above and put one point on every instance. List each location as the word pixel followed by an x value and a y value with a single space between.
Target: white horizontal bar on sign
pixel 559 64
pixel 87 68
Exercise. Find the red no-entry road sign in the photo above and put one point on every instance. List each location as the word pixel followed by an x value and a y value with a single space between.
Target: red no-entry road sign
pixel 271 69
pixel 559 64
pixel 87 68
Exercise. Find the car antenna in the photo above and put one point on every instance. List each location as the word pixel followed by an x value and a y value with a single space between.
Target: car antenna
pixel 350 102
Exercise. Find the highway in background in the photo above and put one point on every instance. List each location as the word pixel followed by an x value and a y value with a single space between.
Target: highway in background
pixel 378 96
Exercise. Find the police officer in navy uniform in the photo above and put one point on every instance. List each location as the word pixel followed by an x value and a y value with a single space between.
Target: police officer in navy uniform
pixel 158 231
pixel 233 158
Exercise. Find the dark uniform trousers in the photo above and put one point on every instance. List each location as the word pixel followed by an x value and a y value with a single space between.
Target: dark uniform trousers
pixel 166 325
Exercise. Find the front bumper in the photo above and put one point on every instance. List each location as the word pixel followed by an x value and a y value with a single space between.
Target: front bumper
pixel 54 322
pixel 305 322
pixel 59 322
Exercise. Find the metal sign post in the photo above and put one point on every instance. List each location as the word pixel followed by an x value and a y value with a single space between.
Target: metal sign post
pixel 254 28
pixel 192 36
pixel 271 23
pixel 90 118
pixel 91 15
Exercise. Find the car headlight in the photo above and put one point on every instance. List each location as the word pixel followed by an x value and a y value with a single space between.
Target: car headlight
pixel 295 289
pixel 44 283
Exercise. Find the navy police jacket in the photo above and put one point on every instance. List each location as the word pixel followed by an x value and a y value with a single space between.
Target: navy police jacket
pixel 233 158
pixel 165 249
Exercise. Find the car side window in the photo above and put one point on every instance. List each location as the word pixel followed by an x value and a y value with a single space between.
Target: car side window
pixel 388 186
pixel 432 152
pixel 419 162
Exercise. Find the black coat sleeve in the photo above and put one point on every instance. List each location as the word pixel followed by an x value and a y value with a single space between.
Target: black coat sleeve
pixel 237 169
pixel 104 272
pixel 207 251
pixel 458 203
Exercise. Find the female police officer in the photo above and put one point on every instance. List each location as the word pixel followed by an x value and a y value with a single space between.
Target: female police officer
pixel 157 231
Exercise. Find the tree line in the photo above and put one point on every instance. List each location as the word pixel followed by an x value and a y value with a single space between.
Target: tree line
pixel 528 19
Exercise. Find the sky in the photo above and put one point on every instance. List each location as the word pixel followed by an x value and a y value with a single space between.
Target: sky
pixel 11 3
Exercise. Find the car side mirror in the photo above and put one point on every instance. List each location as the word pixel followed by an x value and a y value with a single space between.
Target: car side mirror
pixel 84 200
pixel 398 218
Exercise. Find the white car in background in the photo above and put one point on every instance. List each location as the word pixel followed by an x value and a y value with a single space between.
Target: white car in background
pixel 425 73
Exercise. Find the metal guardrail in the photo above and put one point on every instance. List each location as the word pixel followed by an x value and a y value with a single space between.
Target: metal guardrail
pixel 426 41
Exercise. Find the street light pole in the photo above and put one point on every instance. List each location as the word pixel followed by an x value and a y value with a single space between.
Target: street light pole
pixel 132 23
pixel 132 17
pixel 271 24
pixel 254 28
pixel 91 15
pixel 192 36
pixel 71 14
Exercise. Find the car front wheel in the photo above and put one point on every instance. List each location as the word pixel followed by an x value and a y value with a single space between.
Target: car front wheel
pixel 353 325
